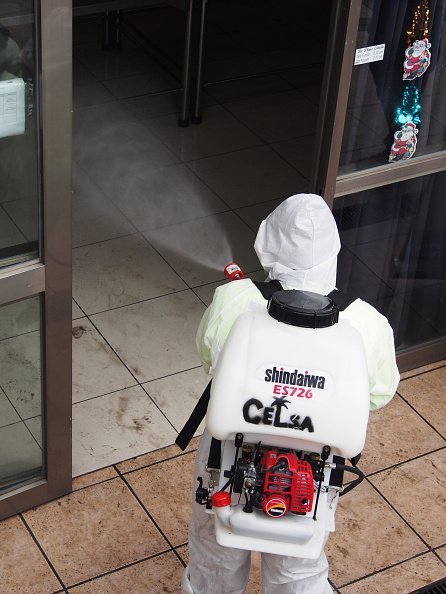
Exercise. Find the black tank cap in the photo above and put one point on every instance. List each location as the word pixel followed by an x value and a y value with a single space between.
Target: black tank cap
pixel 303 309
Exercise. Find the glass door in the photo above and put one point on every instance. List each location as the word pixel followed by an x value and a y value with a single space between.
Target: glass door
pixel 382 160
pixel 35 253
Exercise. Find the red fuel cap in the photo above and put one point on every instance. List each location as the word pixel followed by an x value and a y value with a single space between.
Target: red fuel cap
pixel 221 499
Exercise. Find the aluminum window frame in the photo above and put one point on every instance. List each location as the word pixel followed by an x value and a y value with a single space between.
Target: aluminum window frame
pixel 332 114
pixel 51 277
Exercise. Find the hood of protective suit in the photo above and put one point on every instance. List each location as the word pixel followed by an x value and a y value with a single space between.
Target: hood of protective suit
pixel 298 244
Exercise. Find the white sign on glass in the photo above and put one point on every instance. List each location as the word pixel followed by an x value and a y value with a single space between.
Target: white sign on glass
pixel 12 107
pixel 373 53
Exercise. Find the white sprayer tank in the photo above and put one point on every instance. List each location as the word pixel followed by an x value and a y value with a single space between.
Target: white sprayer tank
pixel 289 387
pixel 320 374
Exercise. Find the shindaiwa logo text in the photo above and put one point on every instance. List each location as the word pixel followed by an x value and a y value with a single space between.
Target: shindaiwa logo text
pixel 294 378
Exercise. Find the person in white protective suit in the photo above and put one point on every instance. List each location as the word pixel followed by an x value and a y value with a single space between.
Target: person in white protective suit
pixel 297 244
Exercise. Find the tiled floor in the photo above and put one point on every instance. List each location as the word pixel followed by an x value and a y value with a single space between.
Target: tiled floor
pixel 157 212
pixel 124 527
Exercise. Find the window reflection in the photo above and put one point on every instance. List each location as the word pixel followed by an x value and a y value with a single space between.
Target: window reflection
pixel 19 188
pixel 394 254
pixel 21 456
pixel 378 88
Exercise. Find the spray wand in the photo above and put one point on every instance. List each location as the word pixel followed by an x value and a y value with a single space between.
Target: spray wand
pixel 233 271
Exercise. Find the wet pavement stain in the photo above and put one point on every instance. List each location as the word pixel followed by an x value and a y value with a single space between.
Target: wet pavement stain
pixel 78 331
pixel 123 404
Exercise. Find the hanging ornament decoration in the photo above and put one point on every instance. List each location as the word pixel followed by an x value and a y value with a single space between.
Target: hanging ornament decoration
pixel 417 61
pixel 404 143
pixel 417 54
pixel 410 108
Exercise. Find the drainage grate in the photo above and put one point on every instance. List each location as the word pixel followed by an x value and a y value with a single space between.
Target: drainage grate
pixel 435 588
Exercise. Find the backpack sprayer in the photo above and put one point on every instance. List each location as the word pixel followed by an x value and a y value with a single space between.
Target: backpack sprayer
pixel 289 402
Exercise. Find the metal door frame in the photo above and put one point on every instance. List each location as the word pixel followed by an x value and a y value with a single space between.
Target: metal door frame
pixel 51 276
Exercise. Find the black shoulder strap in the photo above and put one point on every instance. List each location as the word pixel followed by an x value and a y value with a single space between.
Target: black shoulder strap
pixel 268 288
pixel 214 458
pixel 342 300
pixel 198 414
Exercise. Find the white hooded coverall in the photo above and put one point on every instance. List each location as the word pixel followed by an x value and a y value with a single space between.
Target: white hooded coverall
pixel 297 244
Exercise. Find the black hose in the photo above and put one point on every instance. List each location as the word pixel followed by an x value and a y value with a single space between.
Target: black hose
pixel 356 482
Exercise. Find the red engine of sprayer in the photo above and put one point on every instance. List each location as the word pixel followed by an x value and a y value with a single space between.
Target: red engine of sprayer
pixel 287 485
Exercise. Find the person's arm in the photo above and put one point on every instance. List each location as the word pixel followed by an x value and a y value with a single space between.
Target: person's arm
pixel 377 337
pixel 203 339
pixel 383 373
pixel 230 300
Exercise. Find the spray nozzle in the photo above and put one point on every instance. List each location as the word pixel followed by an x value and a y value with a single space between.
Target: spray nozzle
pixel 233 271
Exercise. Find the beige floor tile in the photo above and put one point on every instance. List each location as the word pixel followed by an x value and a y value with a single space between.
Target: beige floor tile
pixel 17 552
pixel 35 427
pixel 119 272
pixel 177 395
pixel 25 215
pixel 95 217
pixel 111 65
pixel 273 118
pixel 206 292
pixel 7 413
pixel 96 368
pixel 93 531
pixel 369 536
pixel 21 373
pixel 111 428
pixel 417 490
pixel 248 87
pixel 396 433
pixel 166 196
pixel 402 579
pixel 298 152
pixel 220 134
pixel 249 176
pixel 20 317
pixel 173 515
pixel 93 478
pixel 19 451
pixel 171 451
pixel 184 553
pixel 76 311
pixel 90 94
pixel 254 215
pixel 442 552
pixel 157 337
pixel 116 151
pixel 426 393
pixel 9 233
pixel 255 575
pixel 140 84
pixel 160 574
pixel 418 370
pixel 200 249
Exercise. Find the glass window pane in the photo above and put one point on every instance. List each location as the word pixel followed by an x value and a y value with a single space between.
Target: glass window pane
pixel 377 88
pixel 394 254
pixel 19 168
pixel 21 456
